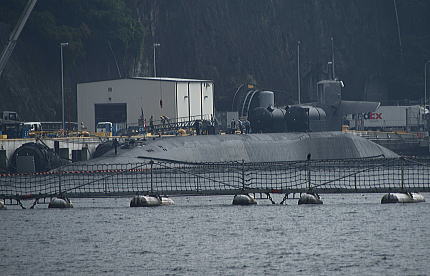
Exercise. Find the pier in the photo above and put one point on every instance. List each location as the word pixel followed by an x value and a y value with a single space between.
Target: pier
pixel 171 178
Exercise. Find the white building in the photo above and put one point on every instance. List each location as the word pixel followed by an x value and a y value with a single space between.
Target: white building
pixel 122 101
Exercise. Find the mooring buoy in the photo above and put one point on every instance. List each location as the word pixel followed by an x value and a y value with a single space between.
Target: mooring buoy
pixel 167 201
pixel 402 198
pixel 145 201
pixel 244 200
pixel 60 203
pixel 310 198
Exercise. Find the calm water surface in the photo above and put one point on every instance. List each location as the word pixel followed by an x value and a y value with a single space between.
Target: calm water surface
pixel 348 235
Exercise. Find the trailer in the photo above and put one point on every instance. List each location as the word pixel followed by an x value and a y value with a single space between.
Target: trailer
pixel 391 118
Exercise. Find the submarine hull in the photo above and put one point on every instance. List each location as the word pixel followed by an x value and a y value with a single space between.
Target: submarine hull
pixel 268 147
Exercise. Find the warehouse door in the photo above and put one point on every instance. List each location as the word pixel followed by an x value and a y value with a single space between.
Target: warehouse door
pixel 116 113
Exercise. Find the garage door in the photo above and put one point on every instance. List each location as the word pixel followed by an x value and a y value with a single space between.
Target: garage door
pixel 114 113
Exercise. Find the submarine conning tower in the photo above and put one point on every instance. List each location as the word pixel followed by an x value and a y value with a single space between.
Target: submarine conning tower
pixel 325 114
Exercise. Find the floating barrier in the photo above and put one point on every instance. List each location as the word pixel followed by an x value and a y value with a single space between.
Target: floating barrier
pixel 310 198
pixel 244 200
pixel 402 198
pixel 60 203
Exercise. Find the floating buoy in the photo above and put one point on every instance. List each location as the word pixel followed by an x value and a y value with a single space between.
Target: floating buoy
pixel 402 198
pixel 167 201
pixel 145 201
pixel 310 198
pixel 244 200
pixel 2 206
pixel 60 203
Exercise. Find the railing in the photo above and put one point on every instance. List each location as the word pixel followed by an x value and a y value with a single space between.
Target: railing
pixel 165 177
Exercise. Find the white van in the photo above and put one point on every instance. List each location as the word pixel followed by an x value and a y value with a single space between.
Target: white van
pixel 33 126
pixel 105 128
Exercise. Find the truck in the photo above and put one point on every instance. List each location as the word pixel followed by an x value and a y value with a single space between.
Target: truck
pixel 391 118
pixel 10 125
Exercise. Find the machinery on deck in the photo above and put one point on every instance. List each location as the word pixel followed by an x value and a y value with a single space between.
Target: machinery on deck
pixel 326 114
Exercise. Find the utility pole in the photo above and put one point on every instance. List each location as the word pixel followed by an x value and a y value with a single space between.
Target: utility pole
pixel 298 71
pixel 155 64
pixel 62 83
pixel 425 83
pixel 332 58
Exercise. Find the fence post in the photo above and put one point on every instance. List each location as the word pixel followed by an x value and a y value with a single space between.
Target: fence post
pixel 402 175
pixel 355 181
pixel 152 164
pixel 59 181
pixel 198 180
pixel 309 173
pixel 243 174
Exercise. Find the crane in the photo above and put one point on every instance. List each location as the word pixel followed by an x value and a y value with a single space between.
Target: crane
pixel 7 51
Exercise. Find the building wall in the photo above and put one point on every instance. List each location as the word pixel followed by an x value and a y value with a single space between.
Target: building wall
pixel 195 98
pixel 137 94
pixel 156 97
pixel 182 100
pixel 207 98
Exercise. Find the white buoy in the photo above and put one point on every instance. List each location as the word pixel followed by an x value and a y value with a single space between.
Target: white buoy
pixel 244 200
pixel 310 198
pixel 2 206
pixel 60 203
pixel 145 201
pixel 402 198
pixel 167 201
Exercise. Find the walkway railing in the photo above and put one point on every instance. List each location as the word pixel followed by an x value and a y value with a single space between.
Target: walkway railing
pixel 163 177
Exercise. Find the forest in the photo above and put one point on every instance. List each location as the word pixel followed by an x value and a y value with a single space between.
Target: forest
pixel 379 47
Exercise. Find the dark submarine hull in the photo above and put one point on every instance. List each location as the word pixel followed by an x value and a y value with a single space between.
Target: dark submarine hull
pixel 267 147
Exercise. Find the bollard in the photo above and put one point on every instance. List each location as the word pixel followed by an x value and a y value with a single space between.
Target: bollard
pixel 84 154
pixel 3 162
pixel 76 156
pixel 64 153
pixel 57 147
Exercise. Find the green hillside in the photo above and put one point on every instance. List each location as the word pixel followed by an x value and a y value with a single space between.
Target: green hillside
pixel 229 41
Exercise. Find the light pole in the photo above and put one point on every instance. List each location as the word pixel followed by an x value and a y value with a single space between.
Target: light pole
pixel 155 65
pixel 62 82
pixel 425 83
pixel 332 58
pixel 298 70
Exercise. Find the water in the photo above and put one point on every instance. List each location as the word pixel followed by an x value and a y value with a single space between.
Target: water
pixel 349 234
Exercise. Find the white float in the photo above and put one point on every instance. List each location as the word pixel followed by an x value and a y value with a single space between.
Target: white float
pixel 310 198
pixel 402 198
pixel 244 200
pixel 60 203
pixel 167 201
pixel 2 206
pixel 145 201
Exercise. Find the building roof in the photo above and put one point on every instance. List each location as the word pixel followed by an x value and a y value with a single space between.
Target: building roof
pixel 170 79
pixel 153 79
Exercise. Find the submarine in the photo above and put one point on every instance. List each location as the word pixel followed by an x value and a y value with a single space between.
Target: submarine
pixel 291 133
